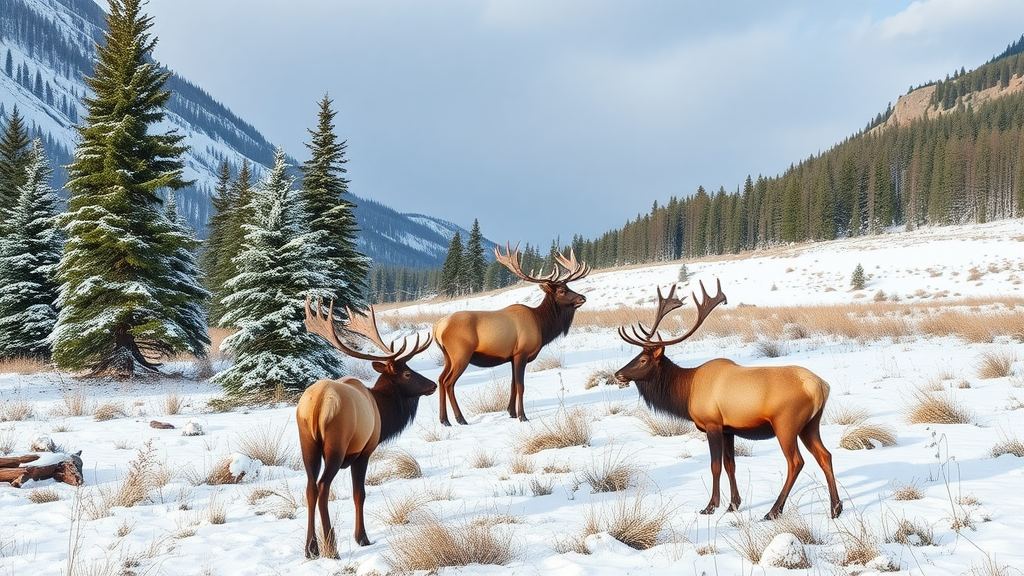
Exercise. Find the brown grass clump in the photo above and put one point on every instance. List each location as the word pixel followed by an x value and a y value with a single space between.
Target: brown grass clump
pixel 844 414
pixel 861 544
pixel 546 362
pixel 520 464
pixel 491 398
pixel 482 458
pixel 267 445
pixel 609 474
pixel 43 495
pixel 173 402
pixel 435 544
pixel 659 424
pixel 566 429
pixel 73 403
pixel 1008 445
pixel 108 411
pixel 145 473
pixel 630 521
pixel 989 567
pixel 392 464
pixel 912 534
pixel 867 436
pixel 16 410
pixel 601 377
pixel 937 408
pixel 995 364
pixel 23 366
pixel 398 511
pixel 911 491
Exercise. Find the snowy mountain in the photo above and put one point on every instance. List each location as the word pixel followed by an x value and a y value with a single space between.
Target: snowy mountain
pixel 47 48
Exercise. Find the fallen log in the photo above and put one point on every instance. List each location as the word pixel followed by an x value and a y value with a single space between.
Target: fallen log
pixel 68 471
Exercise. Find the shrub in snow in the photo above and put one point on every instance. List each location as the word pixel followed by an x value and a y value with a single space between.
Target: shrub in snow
pixel 42 443
pixel 785 551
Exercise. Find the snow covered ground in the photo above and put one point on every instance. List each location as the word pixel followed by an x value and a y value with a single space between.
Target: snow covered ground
pixel 966 516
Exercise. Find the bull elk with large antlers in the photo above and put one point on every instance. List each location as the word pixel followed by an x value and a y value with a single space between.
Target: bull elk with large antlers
pixel 513 334
pixel 341 422
pixel 726 400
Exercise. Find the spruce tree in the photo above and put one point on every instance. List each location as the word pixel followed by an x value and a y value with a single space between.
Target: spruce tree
pixel 29 252
pixel 325 192
pixel 474 265
pixel 267 298
pixel 215 259
pixel 450 270
pixel 14 160
pixel 184 293
pixel 120 305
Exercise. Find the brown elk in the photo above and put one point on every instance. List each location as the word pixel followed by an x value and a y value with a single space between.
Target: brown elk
pixel 513 334
pixel 341 422
pixel 726 400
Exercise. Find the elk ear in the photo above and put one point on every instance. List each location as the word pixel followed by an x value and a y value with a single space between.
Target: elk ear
pixel 382 367
pixel 657 352
pixel 548 288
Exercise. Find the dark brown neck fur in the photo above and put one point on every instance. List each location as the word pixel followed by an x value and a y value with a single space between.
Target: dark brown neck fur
pixel 553 320
pixel 668 389
pixel 396 410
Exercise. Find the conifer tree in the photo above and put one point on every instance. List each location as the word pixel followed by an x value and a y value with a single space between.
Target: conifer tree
pixel 120 308
pixel 14 159
pixel 450 270
pixel 184 291
pixel 325 191
pixel 29 252
pixel 473 263
pixel 267 298
pixel 215 259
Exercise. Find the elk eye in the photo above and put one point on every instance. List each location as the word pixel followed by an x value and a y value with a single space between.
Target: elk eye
pixel 407 374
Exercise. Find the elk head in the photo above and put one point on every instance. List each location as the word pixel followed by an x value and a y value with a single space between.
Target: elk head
pixel 392 366
pixel 641 368
pixel 554 283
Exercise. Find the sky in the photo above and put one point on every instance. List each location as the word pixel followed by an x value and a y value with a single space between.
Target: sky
pixel 545 119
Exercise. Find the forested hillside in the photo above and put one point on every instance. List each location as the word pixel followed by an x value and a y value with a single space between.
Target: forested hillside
pixel 958 159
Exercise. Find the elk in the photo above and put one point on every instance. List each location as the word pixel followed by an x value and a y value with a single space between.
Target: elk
pixel 725 400
pixel 341 422
pixel 513 334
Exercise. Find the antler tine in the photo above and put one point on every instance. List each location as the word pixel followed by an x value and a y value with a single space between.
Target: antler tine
pixel 645 336
pixel 576 270
pixel 323 326
pixel 635 340
pixel 704 308
pixel 416 348
pixel 367 326
pixel 511 260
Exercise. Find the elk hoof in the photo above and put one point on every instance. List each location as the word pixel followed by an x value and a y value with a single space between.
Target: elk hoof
pixel 732 507
pixel 523 418
pixel 445 422
pixel 773 514
pixel 709 510
pixel 837 509
pixel 461 420
pixel 363 541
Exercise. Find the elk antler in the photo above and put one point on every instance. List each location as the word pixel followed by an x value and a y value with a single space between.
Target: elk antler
pixel 645 337
pixel 366 326
pixel 513 261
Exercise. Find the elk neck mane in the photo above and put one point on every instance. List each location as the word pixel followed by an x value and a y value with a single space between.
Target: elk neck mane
pixel 554 320
pixel 396 410
pixel 668 389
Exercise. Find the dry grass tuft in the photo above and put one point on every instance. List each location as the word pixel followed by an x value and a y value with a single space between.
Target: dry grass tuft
pixel 937 408
pixel 392 464
pixel 8 440
pixel 520 464
pixel 399 510
pixel 434 544
pixel 989 567
pixel 482 458
pixel 912 534
pixel 612 473
pixel 73 403
pixel 23 366
pixel 542 486
pixel 108 411
pixel 43 495
pixel 911 491
pixel 861 545
pixel 601 377
pixel 546 362
pixel 867 436
pixel 1008 445
pixel 659 424
pixel 16 410
pixel 173 402
pixel 267 445
pixel 217 513
pixel 145 473
pixel 844 414
pixel 751 539
pixel 792 521
pixel 630 521
pixel 566 429
pixel 995 364
pixel 491 398
pixel 770 348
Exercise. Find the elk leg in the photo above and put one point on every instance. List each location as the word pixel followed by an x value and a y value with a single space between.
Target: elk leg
pixel 311 459
pixel 332 464
pixel 715 445
pixel 515 401
pixel 446 383
pixel 359 496
pixel 794 462
pixel 811 437
pixel 729 455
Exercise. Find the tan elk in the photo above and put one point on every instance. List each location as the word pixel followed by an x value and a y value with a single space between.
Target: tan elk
pixel 726 400
pixel 341 422
pixel 513 334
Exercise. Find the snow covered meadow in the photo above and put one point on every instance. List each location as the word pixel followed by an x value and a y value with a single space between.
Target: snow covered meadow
pixel 936 335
